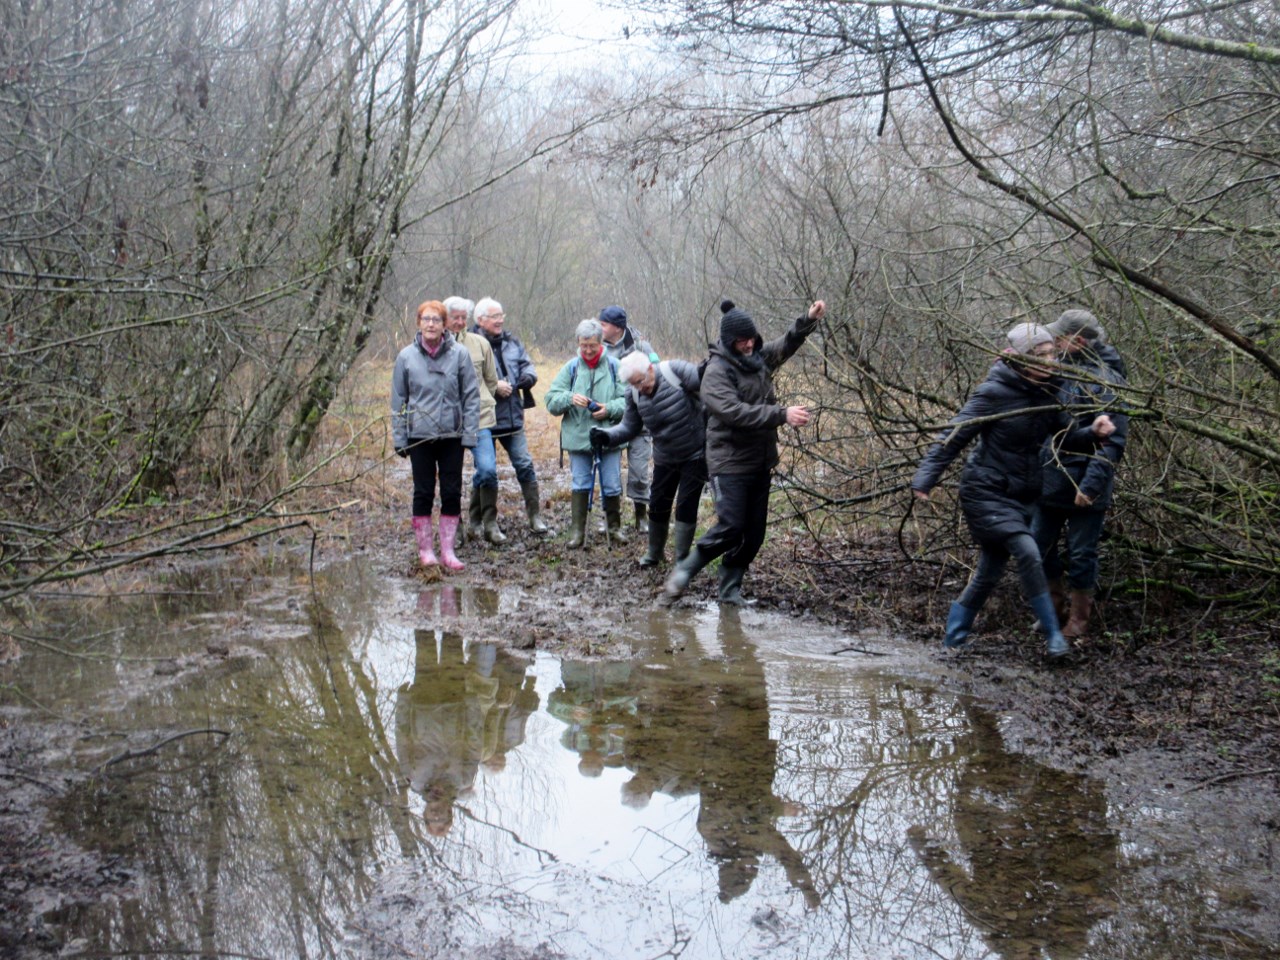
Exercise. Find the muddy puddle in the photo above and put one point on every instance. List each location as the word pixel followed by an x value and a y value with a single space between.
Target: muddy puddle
pixel 368 770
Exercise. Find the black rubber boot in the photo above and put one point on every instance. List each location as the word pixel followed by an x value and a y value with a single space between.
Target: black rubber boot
pixel 685 571
pixel 658 530
pixel 613 520
pixel 533 506
pixel 489 516
pixel 642 516
pixel 731 585
pixel 475 529
pixel 684 538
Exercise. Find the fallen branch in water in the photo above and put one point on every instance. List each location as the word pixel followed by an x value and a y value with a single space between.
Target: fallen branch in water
pixel 134 754
pixel 869 653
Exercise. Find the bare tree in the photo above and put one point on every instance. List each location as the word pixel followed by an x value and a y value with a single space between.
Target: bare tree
pixel 201 209
pixel 949 169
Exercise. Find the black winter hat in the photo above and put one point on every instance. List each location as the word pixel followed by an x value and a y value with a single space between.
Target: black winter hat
pixel 736 324
pixel 615 315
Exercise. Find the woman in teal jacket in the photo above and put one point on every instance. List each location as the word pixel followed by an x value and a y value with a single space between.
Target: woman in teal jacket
pixel 587 393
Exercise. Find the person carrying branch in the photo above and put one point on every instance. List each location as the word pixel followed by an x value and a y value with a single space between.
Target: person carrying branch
pixel 1011 414
pixel 742 444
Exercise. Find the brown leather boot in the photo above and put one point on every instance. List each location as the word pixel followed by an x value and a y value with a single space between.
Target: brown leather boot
pixel 1078 620
pixel 1058 591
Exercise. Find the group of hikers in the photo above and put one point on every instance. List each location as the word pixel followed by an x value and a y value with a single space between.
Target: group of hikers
pixel 1047 421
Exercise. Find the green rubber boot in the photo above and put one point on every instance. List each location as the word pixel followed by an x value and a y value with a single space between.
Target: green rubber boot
pixel 578 521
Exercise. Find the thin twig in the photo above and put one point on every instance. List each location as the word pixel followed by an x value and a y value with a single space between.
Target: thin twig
pixel 1225 777
pixel 19 775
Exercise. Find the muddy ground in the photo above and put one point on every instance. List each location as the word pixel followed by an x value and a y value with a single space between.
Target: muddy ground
pixel 1170 702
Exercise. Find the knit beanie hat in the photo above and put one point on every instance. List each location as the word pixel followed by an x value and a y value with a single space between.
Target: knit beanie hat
pixel 615 315
pixel 1076 323
pixel 735 324
pixel 1025 337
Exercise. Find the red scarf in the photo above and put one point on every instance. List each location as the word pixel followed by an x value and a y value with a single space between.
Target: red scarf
pixel 592 364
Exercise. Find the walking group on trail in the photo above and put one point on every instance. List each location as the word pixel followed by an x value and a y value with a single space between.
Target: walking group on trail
pixel 1046 427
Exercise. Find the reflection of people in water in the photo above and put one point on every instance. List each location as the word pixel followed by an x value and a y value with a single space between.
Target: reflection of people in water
pixel 466 706
pixel 595 700
pixel 1038 856
pixel 707 729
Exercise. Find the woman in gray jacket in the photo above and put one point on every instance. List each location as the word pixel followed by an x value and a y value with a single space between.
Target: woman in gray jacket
pixel 435 414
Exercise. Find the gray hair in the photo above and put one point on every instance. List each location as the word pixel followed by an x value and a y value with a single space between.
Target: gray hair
pixel 633 364
pixel 459 303
pixel 1025 337
pixel 486 306
pixel 589 329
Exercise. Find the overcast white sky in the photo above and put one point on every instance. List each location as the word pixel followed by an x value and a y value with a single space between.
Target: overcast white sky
pixel 580 28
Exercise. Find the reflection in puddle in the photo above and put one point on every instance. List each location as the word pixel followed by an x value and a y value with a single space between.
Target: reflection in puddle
pixel 1030 858
pixel 731 791
pixel 464 709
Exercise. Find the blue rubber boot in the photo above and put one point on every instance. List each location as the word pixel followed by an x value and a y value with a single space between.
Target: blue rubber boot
pixel 959 623
pixel 1055 643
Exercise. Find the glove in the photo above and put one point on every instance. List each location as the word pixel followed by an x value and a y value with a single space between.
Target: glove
pixel 402 451
pixel 599 439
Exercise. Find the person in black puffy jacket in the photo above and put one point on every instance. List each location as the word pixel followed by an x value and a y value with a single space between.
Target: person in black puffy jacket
pixel 663 398
pixel 1011 414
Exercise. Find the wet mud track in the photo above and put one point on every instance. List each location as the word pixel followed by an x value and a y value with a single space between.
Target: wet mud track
pixel 535 759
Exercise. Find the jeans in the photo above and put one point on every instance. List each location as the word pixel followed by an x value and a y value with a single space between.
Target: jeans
pixel 427 457
pixel 1084 530
pixel 517 447
pixel 582 466
pixel 639 457
pixel 742 515
pixel 679 482
pixel 485 458
pixel 992 558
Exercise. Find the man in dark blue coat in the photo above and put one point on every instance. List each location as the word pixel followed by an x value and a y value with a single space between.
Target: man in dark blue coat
pixel 1078 487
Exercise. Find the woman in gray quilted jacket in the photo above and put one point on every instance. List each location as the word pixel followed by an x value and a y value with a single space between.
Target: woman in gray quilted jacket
pixel 435 414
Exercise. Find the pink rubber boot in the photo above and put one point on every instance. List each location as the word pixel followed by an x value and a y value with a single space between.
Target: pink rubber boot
pixel 423 533
pixel 448 531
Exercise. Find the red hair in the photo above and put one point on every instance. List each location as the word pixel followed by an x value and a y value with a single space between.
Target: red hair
pixel 432 306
